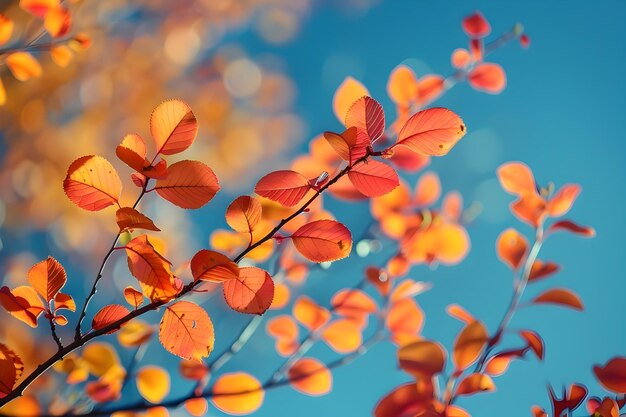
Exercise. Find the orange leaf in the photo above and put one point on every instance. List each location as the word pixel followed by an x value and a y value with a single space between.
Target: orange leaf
pixel 476 26
pixel 560 296
pixel 58 21
pixel 109 315
pixel 423 359
pixel 573 228
pixel 24 406
pixel 39 8
pixel 488 77
pixel 133 297
pixel 23 303
pixel 612 375
pixel 517 178
pixel 407 160
pixel 310 314
pixel 189 184
pixel 282 293
pixel 431 132
pixel 244 213
pixel 197 407
pixel 47 278
pixel 11 369
pixel 475 383
pixel 284 187
pixel 535 342
pixel 608 408
pixel 251 292
pixel 367 115
pixel 151 269
pixel 429 87
pixel 132 151
pixel 459 313
pixel 282 327
pixel 6 29
pixel 128 218
pixel 61 55
pixel 23 66
pixel 541 270
pixel 311 377
pixel 196 371
pixel 402 85
pixel 187 331
pixel 460 58
pixel 173 126
pixel 405 320
pixel 468 344
pixel 153 383
pixel 511 248
pixel 92 183
pixel 373 178
pixel 343 335
pixel 428 190
pixel 135 333
pixel 64 301
pixel 404 401
pixel 350 145
pixel 563 200
pixel 407 289
pixel 347 93
pixel 498 364
pixel 323 241
pixel 237 393
pixel 353 303
pixel 158 171
pixel 3 93
pixel 211 266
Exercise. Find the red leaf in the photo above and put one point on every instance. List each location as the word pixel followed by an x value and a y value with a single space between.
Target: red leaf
pixel 572 227
pixel 252 292
pixel 367 115
pixel 285 187
pixel 432 132
pixel 186 331
pixel 189 184
pixel 612 375
pixel 524 40
pixel 213 266
pixel 373 178
pixel 476 26
pixel 487 77
pixel 128 218
pixel 535 342
pixel 560 296
pixel 323 241
pixel 108 315
pixel 92 183
pixel 173 126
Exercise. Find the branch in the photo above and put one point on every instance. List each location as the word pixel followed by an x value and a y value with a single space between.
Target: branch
pixel 53 329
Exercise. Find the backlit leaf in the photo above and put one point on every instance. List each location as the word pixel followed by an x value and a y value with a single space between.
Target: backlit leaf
pixel 284 187
pixel 11 369
pixel 475 383
pixel 373 178
pixel 517 178
pixel 405 320
pixel 347 93
pixel 128 218
pixel 187 331
pixel 23 66
pixel 237 393
pixel 23 303
pixel 310 376
pixel 403 401
pixel 64 302
pixel 469 344
pixel 133 297
pixel 197 407
pixel 560 296
pixel 153 383
pixel 349 145
pixel 459 313
pixel 323 241
pixel 612 375
pixel 562 201
pixel 151 269
pixel 189 184
pixel 511 248
pixel 367 115
pixel 310 314
pixel 173 126
pixel 58 21
pixel 422 359
pixel 343 335
pixel 207 265
pixel 432 132
pixel 487 77
pixel 243 214
pixel 251 292
pixel 92 183
pixel 428 190
pixel 460 58
pixel 402 85
pixel 135 333
pixel 109 315
pixel 132 151
pixel 47 278
pixel 353 303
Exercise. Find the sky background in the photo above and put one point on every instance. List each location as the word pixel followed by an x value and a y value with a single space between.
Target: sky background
pixel 562 113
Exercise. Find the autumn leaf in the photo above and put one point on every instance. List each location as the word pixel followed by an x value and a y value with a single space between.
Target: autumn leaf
pixel 367 115
pixel 403 401
pixel 58 21
pixel 562 201
pixel 373 178
pixel 310 314
pixel 428 190
pixel 349 145
pixel 23 303
pixel 151 269
pixel 285 330
pixel 468 345
pixel 197 407
pixel 402 85
pixel 251 292
pixel 187 331
pixel 569 226
pixel 343 335
pixel 135 333
pixel 207 265
pixel 92 183
pixel 460 58
pixel 353 303
pixel 173 126
pixel 237 393
pixel 47 278
pixel 132 151
pixel 476 26
pixel 560 296
pixel 487 77
pixel 349 91
pixel 422 359
pixel 459 313
pixel 516 178
pixel 475 383
pixel 153 383
pixel 133 297
pixel 23 66
pixel 64 302
pixel 285 187
pixel 109 315
pixel 244 213
pixel 11 369
pixel 310 376
pixel 128 218
pixel 431 132
pixel 612 375
pixel 541 270
pixel 404 320
pixel 189 184
pixel 511 248
pixel 323 241
pixel 534 341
